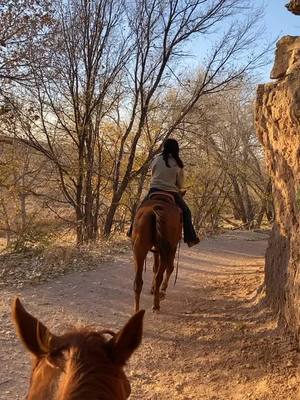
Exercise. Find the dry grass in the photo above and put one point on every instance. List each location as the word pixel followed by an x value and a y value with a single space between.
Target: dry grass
pixel 59 258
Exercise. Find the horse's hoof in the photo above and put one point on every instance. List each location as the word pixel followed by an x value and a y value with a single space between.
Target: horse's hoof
pixel 155 309
pixel 162 295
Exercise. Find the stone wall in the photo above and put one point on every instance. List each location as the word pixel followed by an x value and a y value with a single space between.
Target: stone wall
pixel 278 128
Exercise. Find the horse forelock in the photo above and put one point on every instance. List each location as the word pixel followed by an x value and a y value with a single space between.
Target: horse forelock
pixel 83 368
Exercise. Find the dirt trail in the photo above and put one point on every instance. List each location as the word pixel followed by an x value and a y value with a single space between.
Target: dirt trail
pixel 213 339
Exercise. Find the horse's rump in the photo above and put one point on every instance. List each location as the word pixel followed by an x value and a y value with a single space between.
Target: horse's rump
pixel 163 220
pixel 160 239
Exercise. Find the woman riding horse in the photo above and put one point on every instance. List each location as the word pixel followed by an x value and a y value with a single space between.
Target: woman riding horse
pixel 167 176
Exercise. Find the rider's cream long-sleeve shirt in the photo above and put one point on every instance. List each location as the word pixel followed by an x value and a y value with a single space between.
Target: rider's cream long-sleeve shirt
pixel 165 178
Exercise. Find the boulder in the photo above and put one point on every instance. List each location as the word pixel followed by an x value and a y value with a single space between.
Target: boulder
pixel 294 6
pixel 287 57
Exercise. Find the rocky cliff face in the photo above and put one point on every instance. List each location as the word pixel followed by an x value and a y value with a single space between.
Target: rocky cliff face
pixel 294 6
pixel 278 128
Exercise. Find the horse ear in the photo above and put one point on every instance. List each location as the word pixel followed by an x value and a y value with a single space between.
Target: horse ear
pixel 128 339
pixel 34 335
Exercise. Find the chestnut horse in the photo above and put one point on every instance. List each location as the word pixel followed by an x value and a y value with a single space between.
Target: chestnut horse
pixel 157 224
pixel 79 365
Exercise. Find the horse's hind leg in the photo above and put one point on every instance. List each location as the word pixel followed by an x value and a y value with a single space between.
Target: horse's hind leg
pixel 169 270
pixel 155 269
pixel 164 287
pixel 158 280
pixel 139 259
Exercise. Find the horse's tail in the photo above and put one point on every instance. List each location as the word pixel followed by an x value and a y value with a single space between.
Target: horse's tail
pixel 160 240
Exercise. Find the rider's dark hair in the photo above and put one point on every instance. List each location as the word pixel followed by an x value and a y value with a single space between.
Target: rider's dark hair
pixel 171 147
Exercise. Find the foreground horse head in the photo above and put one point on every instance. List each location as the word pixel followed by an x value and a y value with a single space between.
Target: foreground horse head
pixel 82 364
pixel 157 224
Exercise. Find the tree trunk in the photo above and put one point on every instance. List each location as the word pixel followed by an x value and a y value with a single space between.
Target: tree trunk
pixel 22 198
pixel 248 207
pixel 139 193
pixel 238 203
pixel 111 213
pixel 260 216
